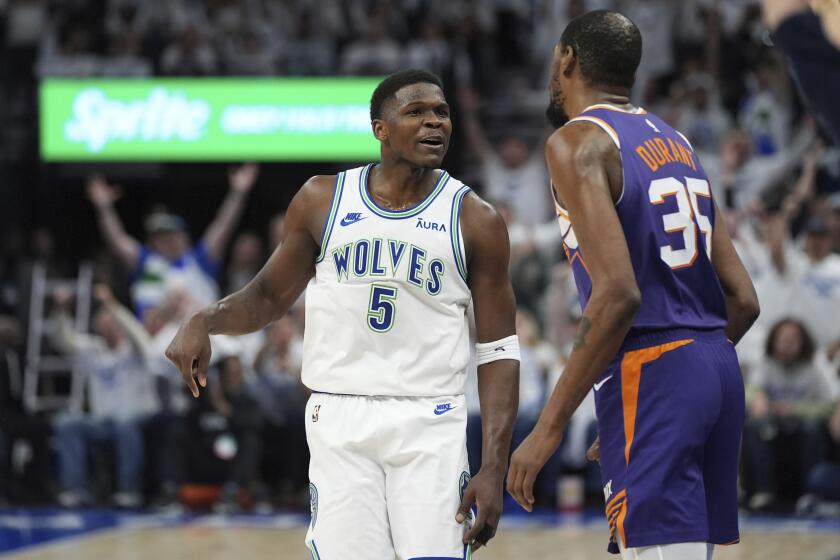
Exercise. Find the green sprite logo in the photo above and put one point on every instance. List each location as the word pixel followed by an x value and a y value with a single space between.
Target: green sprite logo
pixel 162 115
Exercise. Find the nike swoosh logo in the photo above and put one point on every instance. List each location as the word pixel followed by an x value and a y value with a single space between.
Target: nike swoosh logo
pixel 601 384
pixel 440 411
pixel 346 222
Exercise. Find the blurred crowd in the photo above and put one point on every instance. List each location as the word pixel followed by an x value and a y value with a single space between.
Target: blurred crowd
pixel 709 68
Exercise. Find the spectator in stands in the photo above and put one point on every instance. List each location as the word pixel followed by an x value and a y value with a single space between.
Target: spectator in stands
pixel 702 119
pixel 764 114
pixel 189 55
pixel 246 259
pixel 282 399
pixel 119 395
pixel 168 259
pixel 802 282
pixel 429 50
pixel 823 482
pixel 374 54
pixel 233 400
pixel 309 52
pixel 515 174
pixel 739 179
pixel 790 394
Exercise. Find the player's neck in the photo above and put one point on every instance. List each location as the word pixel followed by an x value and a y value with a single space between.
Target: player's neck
pixel 589 98
pixel 400 185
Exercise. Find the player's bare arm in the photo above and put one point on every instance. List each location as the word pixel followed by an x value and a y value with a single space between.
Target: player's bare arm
pixel 741 300
pixel 585 169
pixel 269 295
pixel 488 249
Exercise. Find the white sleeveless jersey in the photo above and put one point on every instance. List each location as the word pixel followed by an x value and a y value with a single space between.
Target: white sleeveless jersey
pixel 386 310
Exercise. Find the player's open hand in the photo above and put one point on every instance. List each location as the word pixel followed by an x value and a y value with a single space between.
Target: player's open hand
pixel 526 463
pixel 485 491
pixel 190 352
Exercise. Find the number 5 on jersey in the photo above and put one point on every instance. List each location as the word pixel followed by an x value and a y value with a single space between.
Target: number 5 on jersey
pixel 683 220
pixel 380 316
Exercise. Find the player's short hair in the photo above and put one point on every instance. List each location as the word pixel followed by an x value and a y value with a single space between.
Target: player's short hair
pixel 608 47
pixel 388 87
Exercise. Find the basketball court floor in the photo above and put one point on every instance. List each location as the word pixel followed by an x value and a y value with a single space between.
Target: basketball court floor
pixel 55 535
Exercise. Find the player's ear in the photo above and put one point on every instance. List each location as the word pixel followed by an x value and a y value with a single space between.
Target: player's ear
pixel 568 60
pixel 380 129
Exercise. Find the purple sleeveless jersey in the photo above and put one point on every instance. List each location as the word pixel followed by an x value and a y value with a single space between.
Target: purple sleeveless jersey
pixel 667 215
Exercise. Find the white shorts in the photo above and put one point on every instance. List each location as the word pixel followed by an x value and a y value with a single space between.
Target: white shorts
pixel 386 476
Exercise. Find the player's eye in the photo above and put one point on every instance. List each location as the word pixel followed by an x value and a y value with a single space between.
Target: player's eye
pixel 443 113
pixel 414 112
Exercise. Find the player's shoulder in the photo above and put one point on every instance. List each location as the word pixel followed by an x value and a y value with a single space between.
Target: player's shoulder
pixel 576 140
pixel 316 191
pixel 481 222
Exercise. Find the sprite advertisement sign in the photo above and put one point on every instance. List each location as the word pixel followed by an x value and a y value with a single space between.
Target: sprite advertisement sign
pixel 206 119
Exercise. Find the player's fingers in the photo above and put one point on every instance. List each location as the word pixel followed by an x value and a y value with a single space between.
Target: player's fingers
pixel 514 485
pixel 480 521
pixel 528 488
pixel 463 512
pixel 202 362
pixel 594 451
pixel 185 366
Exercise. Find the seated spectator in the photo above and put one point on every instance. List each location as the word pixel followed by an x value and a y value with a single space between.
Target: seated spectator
pixel 823 482
pixel 168 258
pixel 119 395
pixel 790 394
pixel 282 399
pixel 233 400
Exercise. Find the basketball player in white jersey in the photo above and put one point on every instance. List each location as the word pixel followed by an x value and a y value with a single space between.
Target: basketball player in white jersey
pixel 390 255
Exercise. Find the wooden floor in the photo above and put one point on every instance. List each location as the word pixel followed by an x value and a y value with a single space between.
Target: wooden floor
pixel 208 543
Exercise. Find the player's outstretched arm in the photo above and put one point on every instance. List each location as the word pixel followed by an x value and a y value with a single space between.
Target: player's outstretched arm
pixel 488 251
pixel 269 295
pixel 742 307
pixel 586 172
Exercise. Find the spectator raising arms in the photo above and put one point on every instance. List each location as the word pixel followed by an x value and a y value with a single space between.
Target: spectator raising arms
pixel 168 258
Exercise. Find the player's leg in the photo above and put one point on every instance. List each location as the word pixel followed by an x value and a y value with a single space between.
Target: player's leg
pixel 676 551
pixel 720 466
pixel 427 469
pixel 347 485
pixel 657 411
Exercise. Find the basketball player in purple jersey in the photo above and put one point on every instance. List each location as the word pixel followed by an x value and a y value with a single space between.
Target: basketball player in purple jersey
pixel 664 298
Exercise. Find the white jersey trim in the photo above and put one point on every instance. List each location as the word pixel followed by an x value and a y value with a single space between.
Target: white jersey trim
pixel 455 232
pixel 328 225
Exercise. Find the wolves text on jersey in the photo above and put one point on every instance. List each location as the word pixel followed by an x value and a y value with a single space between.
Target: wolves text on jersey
pixel 383 257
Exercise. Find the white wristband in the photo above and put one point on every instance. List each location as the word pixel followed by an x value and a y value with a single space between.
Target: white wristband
pixel 502 349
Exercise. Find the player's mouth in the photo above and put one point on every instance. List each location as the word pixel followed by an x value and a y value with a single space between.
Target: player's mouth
pixel 435 141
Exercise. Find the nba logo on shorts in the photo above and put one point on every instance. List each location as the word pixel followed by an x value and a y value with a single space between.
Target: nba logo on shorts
pixel 315 412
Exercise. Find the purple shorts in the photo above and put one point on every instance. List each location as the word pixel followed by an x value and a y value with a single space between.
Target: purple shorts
pixel 670 414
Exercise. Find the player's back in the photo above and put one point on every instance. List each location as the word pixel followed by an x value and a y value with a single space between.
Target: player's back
pixel 667 214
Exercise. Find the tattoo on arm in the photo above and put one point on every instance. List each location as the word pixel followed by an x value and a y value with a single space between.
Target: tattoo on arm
pixel 580 339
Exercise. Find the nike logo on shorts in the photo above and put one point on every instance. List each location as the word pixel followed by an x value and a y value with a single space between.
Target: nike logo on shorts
pixel 443 408
pixel 352 218
pixel 601 383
